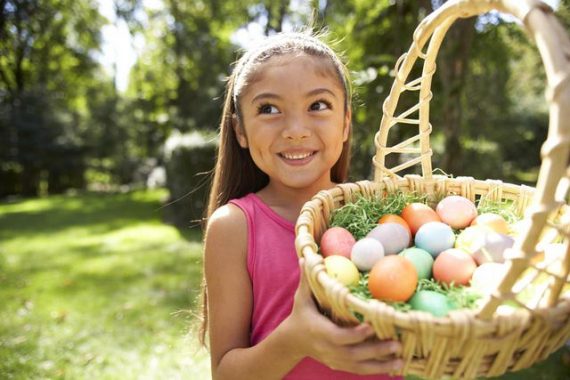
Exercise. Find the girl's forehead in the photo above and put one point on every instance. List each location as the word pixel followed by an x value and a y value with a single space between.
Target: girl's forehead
pixel 292 67
pixel 305 63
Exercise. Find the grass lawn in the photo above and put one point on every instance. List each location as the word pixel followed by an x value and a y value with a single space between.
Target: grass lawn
pixel 95 286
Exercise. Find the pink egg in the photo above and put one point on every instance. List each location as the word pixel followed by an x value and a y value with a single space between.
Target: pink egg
pixel 456 211
pixel 393 236
pixel 337 241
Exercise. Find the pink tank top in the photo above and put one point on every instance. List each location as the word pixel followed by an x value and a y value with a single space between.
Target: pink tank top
pixel 273 267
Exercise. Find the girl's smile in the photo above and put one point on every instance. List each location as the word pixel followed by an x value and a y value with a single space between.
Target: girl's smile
pixel 293 120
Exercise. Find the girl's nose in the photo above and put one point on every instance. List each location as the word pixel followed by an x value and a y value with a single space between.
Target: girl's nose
pixel 296 127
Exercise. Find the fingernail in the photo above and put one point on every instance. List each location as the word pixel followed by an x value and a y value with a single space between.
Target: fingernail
pixel 396 347
pixel 398 364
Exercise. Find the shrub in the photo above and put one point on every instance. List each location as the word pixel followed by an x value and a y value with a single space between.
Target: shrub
pixel 189 159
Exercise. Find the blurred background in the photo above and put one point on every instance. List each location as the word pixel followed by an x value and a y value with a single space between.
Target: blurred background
pixel 108 123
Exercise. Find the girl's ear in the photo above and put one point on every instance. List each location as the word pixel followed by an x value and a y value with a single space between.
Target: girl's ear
pixel 240 133
pixel 347 122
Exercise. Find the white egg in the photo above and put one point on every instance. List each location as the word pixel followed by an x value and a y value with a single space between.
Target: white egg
pixel 487 276
pixel 365 253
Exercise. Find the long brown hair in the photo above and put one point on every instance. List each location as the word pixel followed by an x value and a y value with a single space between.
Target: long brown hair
pixel 235 173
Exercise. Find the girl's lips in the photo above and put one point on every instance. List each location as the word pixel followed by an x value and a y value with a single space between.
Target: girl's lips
pixel 297 158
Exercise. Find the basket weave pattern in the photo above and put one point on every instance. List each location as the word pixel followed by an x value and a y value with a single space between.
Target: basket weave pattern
pixel 488 341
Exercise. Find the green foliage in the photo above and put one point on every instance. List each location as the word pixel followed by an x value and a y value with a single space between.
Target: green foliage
pixel 46 50
pixel 60 115
pixel 188 160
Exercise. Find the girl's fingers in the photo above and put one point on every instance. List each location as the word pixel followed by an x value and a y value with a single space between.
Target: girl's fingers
pixel 303 284
pixel 374 350
pixel 343 336
pixel 371 367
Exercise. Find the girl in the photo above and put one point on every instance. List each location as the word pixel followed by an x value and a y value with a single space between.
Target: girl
pixel 285 135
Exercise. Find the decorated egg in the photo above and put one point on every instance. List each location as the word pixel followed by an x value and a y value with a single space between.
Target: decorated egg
pixel 393 218
pixel 337 241
pixel 493 221
pixel 342 269
pixel 456 211
pixel 487 277
pixel 434 237
pixel 492 248
pixel 471 238
pixel 365 253
pixel 393 236
pixel 433 302
pixel 418 214
pixel 454 266
pixel 393 278
pixel 421 259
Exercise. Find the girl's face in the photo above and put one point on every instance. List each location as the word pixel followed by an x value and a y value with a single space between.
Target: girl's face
pixel 294 121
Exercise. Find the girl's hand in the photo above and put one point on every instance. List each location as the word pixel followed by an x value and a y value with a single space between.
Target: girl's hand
pixel 350 349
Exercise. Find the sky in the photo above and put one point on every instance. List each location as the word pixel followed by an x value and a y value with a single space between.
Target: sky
pixel 120 50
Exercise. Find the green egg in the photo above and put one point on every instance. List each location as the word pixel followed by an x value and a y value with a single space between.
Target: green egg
pixel 421 259
pixel 435 303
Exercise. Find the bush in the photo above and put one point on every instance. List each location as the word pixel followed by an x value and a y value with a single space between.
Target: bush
pixel 189 159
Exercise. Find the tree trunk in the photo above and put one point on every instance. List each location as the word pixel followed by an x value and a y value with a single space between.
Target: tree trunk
pixel 453 62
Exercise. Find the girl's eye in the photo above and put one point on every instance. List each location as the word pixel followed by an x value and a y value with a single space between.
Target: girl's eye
pixel 267 109
pixel 320 105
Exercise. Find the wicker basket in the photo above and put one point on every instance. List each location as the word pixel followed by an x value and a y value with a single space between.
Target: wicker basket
pixel 488 341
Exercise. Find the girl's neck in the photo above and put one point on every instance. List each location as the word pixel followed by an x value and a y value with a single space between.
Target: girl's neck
pixel 287 201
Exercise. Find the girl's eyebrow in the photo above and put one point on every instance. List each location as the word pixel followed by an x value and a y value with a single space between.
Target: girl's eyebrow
pixel 269 95
pixel 265 95
pixel 318 91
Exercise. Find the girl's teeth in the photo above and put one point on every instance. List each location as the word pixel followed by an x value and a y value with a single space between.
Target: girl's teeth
pixel 290 156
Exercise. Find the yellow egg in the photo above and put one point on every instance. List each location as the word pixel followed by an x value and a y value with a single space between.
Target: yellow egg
pixel 471 238
pixel 342 269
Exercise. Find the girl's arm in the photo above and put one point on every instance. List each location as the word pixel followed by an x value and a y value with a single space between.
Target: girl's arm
pixel 304 333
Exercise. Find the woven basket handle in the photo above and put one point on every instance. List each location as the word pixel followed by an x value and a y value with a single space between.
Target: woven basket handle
pixel 553 185
pixel 539 22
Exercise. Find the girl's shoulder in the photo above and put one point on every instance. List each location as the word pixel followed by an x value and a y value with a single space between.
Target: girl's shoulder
pixel 225 240
pixel 228 218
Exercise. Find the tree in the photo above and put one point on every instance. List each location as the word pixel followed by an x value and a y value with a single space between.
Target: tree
pixel 46 50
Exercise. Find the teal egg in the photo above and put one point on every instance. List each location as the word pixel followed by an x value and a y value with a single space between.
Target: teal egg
pixel 421 259
pixel 432 302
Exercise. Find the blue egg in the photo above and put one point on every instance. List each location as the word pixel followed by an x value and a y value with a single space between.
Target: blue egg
pixel 434 237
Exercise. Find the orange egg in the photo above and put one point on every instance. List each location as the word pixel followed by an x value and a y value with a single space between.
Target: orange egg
pixel 454 266
pixel 418 214
pixel 393 278
pixel 493 221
